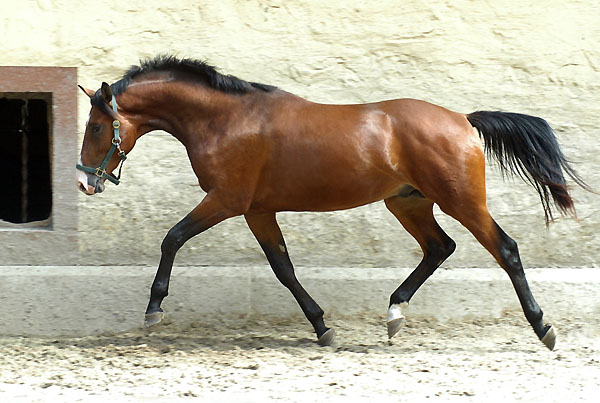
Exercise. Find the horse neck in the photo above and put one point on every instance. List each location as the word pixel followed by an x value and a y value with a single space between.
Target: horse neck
pixel 184 110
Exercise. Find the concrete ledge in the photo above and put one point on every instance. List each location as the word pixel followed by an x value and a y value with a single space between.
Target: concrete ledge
pixel 80 300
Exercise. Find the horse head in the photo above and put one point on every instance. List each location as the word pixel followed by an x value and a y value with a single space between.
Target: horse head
pixel 109 136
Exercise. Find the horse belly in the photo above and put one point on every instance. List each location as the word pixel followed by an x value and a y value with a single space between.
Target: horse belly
pixel 323 190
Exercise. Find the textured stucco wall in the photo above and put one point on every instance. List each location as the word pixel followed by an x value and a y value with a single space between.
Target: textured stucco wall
pixel 534 57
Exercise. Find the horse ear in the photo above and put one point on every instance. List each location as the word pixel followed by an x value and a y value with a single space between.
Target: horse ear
pixel 87 91
pixel 106 92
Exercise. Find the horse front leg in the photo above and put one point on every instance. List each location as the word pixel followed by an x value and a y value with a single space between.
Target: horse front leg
pixel 267 233
pixel 207 214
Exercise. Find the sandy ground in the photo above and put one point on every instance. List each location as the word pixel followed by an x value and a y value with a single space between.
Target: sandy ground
pixel 255 359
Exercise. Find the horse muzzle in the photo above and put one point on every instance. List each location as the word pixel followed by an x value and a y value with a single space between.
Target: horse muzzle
pixel 89 184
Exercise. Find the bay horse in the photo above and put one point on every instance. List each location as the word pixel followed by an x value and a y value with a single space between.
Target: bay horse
pixel 258 150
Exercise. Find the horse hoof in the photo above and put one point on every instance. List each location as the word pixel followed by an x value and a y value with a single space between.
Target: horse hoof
pixel 394 326
pixel 327 338
pixel 395 319
pixel 549 338
pixel 153 318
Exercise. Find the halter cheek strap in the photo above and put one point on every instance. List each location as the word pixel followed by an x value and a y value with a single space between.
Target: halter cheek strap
pixel 116 145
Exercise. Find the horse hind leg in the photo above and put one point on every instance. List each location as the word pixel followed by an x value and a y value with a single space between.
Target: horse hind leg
pixel 474 215
pixel 415 213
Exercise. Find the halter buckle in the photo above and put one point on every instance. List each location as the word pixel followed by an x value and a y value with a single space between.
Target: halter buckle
pixel 116 124
pixel 100 172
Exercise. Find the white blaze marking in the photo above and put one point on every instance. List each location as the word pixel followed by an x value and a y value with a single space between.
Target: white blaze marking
pixel 81 176
pixel 83 179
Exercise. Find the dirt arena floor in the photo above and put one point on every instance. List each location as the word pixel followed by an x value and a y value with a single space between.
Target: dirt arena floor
pixel 255 359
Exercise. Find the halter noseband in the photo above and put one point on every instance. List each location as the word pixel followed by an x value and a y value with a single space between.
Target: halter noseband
pixel 100 171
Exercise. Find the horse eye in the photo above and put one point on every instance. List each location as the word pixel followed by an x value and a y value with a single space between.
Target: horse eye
pixel 96 129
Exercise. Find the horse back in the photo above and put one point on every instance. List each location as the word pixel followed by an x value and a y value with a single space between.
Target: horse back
pixel 330 157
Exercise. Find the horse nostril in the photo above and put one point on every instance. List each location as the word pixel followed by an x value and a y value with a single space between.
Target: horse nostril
pixel 81 187
pixel 99 187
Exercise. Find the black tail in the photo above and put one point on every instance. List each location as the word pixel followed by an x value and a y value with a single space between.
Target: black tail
pixel 526 145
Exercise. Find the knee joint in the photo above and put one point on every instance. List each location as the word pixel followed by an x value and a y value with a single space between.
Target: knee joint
pixel 171 243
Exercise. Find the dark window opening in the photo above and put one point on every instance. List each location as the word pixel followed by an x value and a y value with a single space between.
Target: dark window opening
pixel 26 187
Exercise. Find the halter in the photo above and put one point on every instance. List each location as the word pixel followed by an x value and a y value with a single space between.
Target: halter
pixel 100 171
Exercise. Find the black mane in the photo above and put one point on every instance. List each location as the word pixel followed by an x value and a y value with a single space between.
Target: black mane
pixel 196 68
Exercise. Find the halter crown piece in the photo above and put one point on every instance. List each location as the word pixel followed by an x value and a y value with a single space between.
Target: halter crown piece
pixel 116 145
